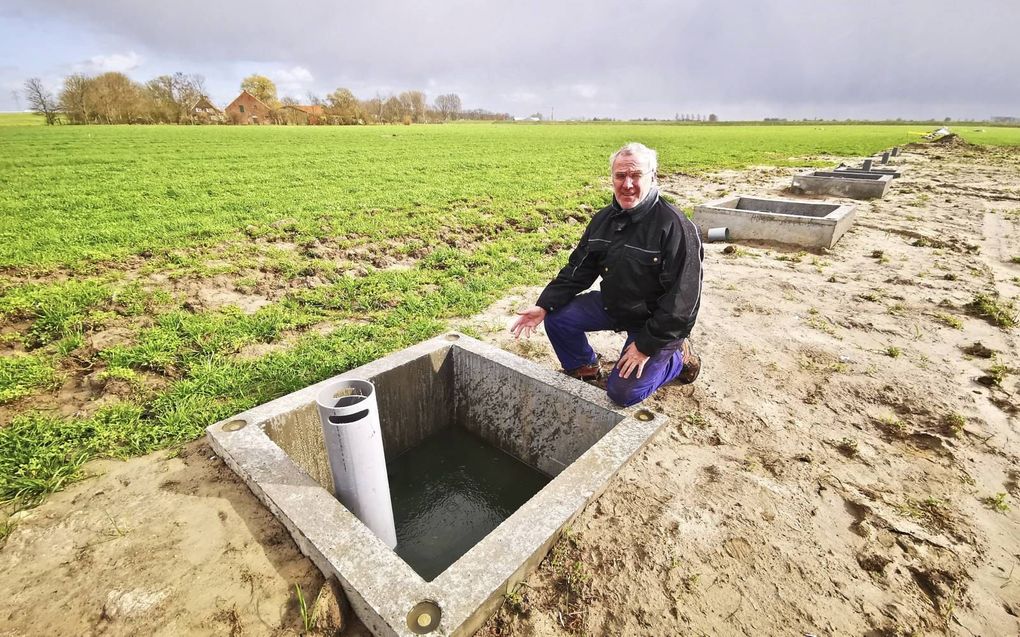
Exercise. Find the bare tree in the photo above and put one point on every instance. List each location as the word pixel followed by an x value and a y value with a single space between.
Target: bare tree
pixel 74 99
pixel 116 99
pixel 413 105
pixel 342 107
pixel 392 110
pixel 371 109
pixel 173 96
pixel 40 100
pixel 449 105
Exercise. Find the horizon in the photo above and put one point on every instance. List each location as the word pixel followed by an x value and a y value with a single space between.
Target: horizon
pixel 912 60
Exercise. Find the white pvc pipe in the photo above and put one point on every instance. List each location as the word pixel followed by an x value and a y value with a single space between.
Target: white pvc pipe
pixel 350 426
pixel 718 234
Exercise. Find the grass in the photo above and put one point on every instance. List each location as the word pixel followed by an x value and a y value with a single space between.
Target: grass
pixel 114 228
pixel 893 425
pixel 23 374
pixel 949 320
pixel 516 598
pixel 73 196
pixel 307 621
pixel 954 423
pixel 696 420
pixel 5 530
pixel 21 119
pixel 996 503
pixel 996 374
pixel 932 512
pixel 996 311
pixel 848 447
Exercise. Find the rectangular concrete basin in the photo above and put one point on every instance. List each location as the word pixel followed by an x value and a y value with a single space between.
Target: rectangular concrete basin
pixel 862 185
pixel 566 429
pixel 804 223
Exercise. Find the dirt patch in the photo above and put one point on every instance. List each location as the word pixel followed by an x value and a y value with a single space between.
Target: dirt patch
pixel 691 190
pixel 824 474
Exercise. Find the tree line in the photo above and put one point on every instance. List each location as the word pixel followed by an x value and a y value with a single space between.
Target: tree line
pixel 114 98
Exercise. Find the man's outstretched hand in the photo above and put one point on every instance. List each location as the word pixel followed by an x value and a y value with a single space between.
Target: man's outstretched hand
pixel 632 359
pixel 528 319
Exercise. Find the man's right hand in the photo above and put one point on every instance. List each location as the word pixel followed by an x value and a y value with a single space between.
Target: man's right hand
pixel 528 319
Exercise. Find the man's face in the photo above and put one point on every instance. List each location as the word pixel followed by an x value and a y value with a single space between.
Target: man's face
pixel 631 181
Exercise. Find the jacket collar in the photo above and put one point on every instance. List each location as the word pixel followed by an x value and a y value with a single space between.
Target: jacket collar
pixel 638 212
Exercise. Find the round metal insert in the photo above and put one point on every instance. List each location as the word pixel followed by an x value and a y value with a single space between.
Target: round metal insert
pixel 644 415
pixel 452 337
pixel 235 425
pixel 424 617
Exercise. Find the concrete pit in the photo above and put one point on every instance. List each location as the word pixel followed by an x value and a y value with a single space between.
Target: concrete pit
pixel 457 416
pixel 803 223
pixel 862 185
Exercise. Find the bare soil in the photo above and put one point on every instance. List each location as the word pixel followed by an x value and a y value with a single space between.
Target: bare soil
pixel 834 470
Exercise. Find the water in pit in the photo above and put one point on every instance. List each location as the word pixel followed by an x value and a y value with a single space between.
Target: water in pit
pixel 449 492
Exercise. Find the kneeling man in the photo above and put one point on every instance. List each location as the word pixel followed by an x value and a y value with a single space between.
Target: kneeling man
pixel 649 257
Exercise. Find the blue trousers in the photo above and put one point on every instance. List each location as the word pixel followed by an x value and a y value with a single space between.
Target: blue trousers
pixel 567 328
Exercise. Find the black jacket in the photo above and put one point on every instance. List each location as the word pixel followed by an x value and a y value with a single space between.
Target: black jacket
pixel 649 259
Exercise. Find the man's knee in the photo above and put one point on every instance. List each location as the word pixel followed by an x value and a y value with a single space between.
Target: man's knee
pixel 554 319
pixel 625 392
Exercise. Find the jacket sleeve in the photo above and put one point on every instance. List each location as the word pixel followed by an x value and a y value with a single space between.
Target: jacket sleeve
pixel 676 311
pixel 577 276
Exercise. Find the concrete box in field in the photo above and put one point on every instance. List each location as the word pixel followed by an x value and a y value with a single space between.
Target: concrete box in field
pixel 804 223
pixel 842 184
pixel 563 428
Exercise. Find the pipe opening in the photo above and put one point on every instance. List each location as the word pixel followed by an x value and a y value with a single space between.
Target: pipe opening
pixel 644 415
pixel 349 401
pixel 347 418
pixel 424 617
pixel 235 425
pixel 452 337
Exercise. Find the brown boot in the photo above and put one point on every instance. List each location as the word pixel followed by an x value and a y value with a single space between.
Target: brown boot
pixel 591 371
pixel 692 364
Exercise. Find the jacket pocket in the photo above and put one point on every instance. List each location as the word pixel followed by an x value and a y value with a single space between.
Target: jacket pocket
pixel 642 256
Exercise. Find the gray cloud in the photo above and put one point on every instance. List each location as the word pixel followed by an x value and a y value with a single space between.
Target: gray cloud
pixel 739 59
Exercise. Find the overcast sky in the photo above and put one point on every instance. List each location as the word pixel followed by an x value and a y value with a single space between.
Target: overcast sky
pixel 745 59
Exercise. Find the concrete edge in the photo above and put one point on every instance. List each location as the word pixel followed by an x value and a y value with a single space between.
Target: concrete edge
pixel 471 589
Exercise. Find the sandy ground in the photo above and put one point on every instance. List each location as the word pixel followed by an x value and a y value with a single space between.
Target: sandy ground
pixel 809 483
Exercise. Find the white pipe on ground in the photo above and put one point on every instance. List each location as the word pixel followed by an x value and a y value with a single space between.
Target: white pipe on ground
pixel 350 426
pixel 718 234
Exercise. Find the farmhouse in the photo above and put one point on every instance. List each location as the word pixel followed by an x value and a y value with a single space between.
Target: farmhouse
pixel 205 111
pixel 248 109
pixel 302 114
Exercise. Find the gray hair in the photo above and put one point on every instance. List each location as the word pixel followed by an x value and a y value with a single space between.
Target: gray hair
pixel 643 153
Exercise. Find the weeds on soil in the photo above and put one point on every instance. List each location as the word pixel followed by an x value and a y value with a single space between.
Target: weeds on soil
pixel 892 425
pixel 949 320
pixel 991 308
pixel 306 615
pixel 932 512
pixel 848 447
pixel 996 503
pixel 954 423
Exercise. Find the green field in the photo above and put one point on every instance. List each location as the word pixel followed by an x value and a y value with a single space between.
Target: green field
pixel 357 240
pixel 21 119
